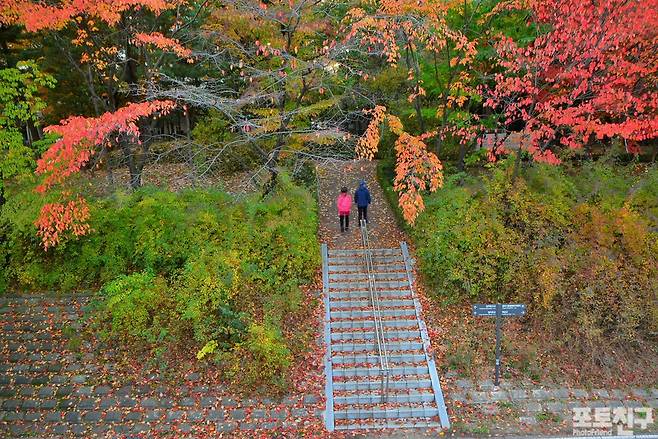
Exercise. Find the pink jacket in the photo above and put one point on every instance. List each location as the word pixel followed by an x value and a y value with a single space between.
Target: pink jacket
pixel 344 204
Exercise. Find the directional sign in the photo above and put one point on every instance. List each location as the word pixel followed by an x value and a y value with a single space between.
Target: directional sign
pixel 498 310
pixel 506 310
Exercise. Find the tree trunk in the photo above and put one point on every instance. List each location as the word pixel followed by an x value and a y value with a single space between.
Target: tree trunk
pixel 39 131
pixel 419 113
pixel 135 178
pixel 438 143
pixel 105 153
pixel 462 155
pixel 3 200
pixel 271 183
pixel 444 119
pixel 273 159
pixel 190 152
pixel 28 134
pixel 133 167
pixel 110 176
pixel 517 165
pixel 412 63
pixel 272 163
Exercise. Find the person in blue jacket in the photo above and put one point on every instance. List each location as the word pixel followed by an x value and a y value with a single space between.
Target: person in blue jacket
pixel 362 199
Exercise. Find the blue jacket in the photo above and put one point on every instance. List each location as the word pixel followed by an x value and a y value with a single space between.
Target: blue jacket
pixel 362 195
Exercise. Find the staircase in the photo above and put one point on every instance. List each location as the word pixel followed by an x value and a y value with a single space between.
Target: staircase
pixel 379 371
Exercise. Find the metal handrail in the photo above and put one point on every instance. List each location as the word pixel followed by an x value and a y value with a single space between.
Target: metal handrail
pixel 376 312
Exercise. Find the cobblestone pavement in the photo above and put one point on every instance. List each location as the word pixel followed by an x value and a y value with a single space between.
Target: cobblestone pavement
pixel 50 388
pixel 527 408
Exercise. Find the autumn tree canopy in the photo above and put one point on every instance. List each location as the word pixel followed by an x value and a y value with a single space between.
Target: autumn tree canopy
pixel 115 50
pixel 284 81
pixel 274 74
pixel 591 77
pixel 419 36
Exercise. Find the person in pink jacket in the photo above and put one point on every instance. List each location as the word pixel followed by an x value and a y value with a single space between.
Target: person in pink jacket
pixel 344 204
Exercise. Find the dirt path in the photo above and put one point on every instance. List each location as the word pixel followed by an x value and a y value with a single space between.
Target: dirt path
pixel 383 229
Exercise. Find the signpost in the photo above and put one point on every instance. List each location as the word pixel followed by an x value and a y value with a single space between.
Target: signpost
pixel 498 310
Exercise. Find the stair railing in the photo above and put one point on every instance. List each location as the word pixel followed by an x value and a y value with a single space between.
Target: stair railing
pixel 380 336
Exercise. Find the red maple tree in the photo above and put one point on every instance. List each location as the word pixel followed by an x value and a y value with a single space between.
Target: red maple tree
pixel 592 75
pixel 79 138
pixel 118 115
pixel 37 15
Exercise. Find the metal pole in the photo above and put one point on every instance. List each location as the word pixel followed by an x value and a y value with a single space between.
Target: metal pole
pixel 499 311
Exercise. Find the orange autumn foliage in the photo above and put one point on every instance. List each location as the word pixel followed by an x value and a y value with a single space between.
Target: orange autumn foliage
pixel 37 16
pixel 164 43
pixel 393 28
pixel 79 137
pixel 56 219
pixel 367 145
pixel 416 169
pixel 85 18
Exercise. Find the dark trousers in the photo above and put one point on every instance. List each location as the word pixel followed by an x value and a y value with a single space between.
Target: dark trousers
pixel 344 222
pixel 363 213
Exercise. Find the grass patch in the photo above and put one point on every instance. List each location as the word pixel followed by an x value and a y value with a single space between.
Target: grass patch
pixel 547 417
pixel 74 338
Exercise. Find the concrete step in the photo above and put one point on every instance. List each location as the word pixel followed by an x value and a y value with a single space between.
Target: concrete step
pixel 376 371
pixel 364 347
pixel 393 358
pixel 361 268
pixel 411 382
pixel 359 324
pixel 391 398
pixel 361 285
pixel 354 314
pixel 370 335
pixel 385 302
pixel 359 252
pixel 358 259
pixel 388 413
pixel 363 277
pixel 366 294
pixel 380 424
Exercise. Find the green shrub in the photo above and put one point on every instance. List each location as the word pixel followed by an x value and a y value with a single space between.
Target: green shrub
pixel 579 246
pixel 262 358
pixel 207 291
pixel 198 269
pixel 136 306
pixel 602 284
